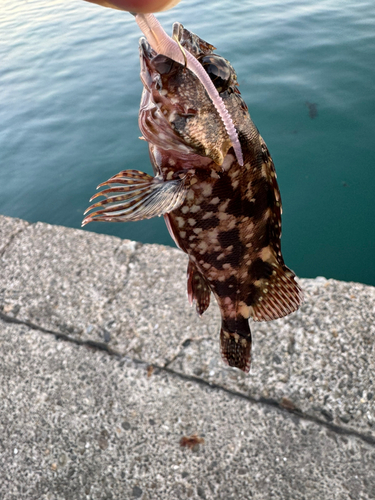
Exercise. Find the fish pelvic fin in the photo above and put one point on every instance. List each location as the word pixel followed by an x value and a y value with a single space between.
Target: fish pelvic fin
pixel 279 295
pixel 134 195
pixel 198 289
pixel 235 342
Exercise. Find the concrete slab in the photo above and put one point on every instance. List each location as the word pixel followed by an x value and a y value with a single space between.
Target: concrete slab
pixel 131 300
pixel 78 423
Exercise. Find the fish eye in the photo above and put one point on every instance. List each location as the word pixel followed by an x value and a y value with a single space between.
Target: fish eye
pixel 218 69
pixel 163 64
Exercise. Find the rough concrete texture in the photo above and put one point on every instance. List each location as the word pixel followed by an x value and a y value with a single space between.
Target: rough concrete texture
pixel 82 422
pixel 9 228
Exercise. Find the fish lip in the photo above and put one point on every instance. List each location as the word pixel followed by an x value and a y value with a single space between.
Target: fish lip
pixel 145 49
pixel 146 54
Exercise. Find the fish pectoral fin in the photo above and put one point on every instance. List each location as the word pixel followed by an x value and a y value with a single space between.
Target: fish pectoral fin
pixel 279 295
pixel 198 289
pixel 134 196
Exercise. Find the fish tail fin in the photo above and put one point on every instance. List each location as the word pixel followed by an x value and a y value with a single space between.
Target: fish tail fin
pixel 235 342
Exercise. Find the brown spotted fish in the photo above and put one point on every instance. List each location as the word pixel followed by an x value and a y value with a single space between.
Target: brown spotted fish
pixel 225 216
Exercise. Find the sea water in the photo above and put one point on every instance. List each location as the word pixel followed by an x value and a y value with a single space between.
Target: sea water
pixel 69 99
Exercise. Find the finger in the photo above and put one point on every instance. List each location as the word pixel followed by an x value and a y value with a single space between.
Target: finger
pixel 139 6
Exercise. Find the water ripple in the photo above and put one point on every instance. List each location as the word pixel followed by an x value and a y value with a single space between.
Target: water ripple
pixel 70 94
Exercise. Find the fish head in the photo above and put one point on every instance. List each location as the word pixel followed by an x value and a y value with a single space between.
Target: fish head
pixel 176 112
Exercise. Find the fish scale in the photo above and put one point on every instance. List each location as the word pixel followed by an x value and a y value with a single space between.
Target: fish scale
pixel 225 216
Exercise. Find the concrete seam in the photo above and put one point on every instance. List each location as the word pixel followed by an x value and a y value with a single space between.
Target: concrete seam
pixel 61 336
pixel 191 378
pixel 274 404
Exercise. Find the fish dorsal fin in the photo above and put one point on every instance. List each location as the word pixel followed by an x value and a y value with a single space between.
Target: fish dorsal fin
pixel 279 295
pixel 198 289
pixel 136 196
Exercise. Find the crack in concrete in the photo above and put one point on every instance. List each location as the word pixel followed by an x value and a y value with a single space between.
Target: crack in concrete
pixel 173 358
pixel 183 345
pixel 101 346
pixel 11 238
pixel 272 403
pixel 132 258
pixel 61 336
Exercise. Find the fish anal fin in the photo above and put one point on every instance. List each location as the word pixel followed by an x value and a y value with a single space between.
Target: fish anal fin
pixel 279 295
pixel 198 289
pixel 133 195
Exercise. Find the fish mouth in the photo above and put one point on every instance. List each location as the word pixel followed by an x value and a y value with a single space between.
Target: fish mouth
pixel 176 112
pixel 146 55
pixel 157 111
pixel 186 39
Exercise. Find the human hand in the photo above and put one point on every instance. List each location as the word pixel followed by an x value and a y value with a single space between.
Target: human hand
pixel 138 6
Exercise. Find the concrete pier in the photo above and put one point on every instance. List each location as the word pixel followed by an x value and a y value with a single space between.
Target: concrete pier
pixel 105 367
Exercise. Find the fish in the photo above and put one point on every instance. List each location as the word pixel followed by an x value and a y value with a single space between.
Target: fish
pixel 225 216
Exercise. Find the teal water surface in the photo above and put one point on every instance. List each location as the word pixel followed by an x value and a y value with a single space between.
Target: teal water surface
pixel 70 92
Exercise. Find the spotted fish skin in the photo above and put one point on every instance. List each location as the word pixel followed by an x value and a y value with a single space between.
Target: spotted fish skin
pixel 225 216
